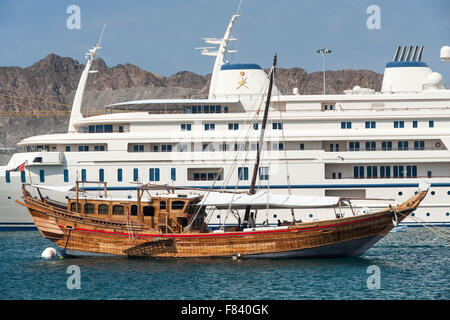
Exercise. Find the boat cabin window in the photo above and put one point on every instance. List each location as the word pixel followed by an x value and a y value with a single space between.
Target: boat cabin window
pixel 103 209
pixel 89 208
pixel 73 207
pixel 162 205
pixel 149 211
pixel 118 210
pixel 134 210
pixel 177 205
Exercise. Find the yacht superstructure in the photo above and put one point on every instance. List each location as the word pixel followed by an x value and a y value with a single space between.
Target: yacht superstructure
pixel 361 144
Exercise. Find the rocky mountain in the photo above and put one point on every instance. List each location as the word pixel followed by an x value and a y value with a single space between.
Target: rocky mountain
pixel 54 79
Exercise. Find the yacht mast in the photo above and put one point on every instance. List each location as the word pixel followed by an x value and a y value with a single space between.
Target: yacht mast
pixel 76 106
pixel 261 140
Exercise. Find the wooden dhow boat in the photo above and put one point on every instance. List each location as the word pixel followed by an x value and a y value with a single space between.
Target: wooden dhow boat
pixel 174 225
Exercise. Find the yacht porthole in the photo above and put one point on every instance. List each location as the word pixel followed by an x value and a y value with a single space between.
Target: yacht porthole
pixel 400 193
pixel 413 214
pixel 275 216
pixel 447 214
pixel 310 215
pixel 218 216
pixel 433 193
pixel 428 214
pixel 9 197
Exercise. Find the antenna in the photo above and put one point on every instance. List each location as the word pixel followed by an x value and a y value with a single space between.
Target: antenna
pixel 101 35
pixel 239 8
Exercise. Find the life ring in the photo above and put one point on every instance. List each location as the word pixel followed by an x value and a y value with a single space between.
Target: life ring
pixel 438 144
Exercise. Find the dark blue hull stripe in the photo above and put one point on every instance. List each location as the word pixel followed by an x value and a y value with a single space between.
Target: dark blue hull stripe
pixel 299 186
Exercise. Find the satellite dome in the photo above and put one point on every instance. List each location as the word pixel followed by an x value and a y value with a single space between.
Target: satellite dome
pixel 435 78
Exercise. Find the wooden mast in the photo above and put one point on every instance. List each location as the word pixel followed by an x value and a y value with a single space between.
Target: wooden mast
pixel 261 139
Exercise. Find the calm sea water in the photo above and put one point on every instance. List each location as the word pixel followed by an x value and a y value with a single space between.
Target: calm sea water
pixel 412 265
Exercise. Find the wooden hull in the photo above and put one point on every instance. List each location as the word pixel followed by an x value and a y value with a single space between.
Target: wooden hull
pixel 341 237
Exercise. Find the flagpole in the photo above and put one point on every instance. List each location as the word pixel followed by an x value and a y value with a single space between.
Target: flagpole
pixel 29 173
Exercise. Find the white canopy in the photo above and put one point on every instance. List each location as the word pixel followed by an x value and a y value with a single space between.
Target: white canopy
pixel 55 188
pixel 261 199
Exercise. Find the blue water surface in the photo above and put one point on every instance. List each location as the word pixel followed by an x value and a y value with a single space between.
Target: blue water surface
pixel 412 265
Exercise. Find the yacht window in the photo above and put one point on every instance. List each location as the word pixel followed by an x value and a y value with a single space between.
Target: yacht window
pixel 22 176
pixel 91 129
pixel 419 145
pixel 67 148
pixel 370 124
pixel 264 173
pixel 42 175
pixel 346 125
pixel 154 174
pixel 185 127
pixel 138 148
pixel 173 174
pixel 399 124
pixel 66 175
pixel 99 128
pixel 119 175
pixel 108 128
pixel 120 128
pixel 386 145
pixel 83 174
pixel 431 124
pixel 8 177
pixel 134 210
pixel 101 175
pixel 277 126
pixel 354 146
pixel 402 145
pixel 243 173
pixel 135 174
pixel 415 124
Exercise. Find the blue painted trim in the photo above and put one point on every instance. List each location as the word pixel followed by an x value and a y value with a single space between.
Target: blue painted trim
pixel 299 186
pixel 403 64
pixel 236 66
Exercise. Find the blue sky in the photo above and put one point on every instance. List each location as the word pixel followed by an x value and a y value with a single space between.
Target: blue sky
pixel 160 35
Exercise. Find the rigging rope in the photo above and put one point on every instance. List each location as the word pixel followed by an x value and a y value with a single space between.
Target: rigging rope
pixel 440 233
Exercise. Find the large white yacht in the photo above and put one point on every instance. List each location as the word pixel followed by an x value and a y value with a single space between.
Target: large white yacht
pixel 361 143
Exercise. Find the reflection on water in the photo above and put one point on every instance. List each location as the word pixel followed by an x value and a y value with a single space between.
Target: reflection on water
pixel 413 265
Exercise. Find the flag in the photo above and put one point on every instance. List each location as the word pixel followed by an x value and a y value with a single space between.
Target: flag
pixel 19 168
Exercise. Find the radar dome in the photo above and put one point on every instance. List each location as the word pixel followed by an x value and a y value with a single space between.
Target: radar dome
pixel 445 53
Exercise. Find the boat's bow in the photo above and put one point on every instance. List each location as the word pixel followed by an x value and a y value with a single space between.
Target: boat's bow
pixel 406 208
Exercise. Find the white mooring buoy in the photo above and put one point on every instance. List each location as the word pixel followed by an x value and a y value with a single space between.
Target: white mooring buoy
pixel 49 253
